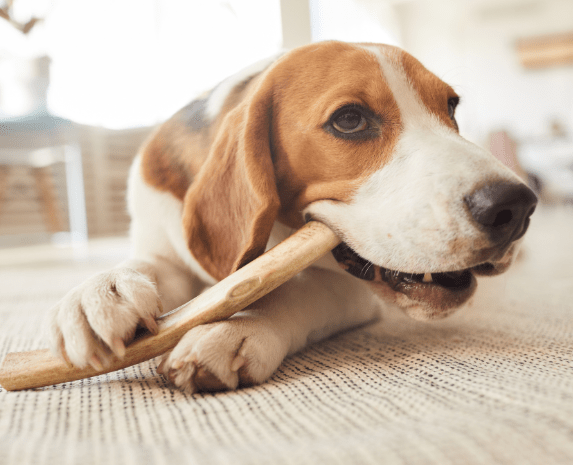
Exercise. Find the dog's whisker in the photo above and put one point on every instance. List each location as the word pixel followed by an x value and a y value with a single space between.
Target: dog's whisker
pixel 365 269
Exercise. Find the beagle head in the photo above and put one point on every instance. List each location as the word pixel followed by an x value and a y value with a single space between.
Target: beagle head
pixel 363 138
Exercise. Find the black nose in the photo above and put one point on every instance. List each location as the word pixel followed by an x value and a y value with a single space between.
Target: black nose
pixel 502 209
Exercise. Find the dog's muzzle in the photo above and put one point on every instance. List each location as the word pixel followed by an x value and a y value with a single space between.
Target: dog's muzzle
pixel 500 210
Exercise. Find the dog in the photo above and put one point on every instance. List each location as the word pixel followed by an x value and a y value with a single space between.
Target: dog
pixel 358 136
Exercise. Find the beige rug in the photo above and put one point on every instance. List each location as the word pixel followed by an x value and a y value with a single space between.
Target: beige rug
pixel 492 385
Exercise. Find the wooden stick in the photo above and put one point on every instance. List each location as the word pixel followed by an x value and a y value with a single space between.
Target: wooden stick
pixel 25 370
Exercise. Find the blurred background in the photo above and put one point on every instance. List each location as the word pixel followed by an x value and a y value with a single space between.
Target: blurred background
pixel 83 82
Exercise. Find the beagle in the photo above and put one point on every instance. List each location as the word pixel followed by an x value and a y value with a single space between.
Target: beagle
pixel 359 136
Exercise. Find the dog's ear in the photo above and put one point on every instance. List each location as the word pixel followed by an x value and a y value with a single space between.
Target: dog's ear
pixel 230 208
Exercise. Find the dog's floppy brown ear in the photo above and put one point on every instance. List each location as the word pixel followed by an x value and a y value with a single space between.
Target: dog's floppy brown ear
pixel 230 208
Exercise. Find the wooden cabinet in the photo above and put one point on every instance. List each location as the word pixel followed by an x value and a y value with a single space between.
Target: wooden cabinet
pixel 106 156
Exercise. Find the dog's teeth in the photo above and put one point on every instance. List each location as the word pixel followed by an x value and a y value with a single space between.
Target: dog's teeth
pixel 427 278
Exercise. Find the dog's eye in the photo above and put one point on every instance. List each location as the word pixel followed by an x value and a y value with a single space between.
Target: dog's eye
pixel 452 104
pixel 353 122
pixel 349 121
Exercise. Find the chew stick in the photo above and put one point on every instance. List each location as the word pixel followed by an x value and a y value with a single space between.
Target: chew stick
pixel 25 370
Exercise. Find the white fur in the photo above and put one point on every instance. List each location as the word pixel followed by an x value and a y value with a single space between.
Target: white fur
pixel 106 307
pixel 156 226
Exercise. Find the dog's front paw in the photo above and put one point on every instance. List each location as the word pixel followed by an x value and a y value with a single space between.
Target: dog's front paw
pixel 100 316
pixel 242 351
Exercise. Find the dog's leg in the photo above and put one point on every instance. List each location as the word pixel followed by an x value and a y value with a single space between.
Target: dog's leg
pixel 248 348
pixel 100 316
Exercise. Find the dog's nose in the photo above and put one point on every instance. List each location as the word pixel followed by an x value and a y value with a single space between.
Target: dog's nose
pixel 502 209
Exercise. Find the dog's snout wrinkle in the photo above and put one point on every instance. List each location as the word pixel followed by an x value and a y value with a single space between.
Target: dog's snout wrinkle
pixel 502 209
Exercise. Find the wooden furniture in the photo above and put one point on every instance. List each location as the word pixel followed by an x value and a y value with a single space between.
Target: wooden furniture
pixel 38 141
pixel 106 158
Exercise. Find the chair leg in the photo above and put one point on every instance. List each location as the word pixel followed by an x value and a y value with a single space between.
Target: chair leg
pixel 49 198
pixel 4 173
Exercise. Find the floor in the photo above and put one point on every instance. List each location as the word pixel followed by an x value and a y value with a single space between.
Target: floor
pixel 110 249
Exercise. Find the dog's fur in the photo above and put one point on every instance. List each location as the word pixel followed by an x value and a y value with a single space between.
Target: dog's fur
pixel 239 169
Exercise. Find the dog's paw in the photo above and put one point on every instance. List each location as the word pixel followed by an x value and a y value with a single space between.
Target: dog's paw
pixel 242 351
pixel 100 316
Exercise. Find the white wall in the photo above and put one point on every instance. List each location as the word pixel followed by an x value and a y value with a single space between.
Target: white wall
pixel 471 45
pixel 354 21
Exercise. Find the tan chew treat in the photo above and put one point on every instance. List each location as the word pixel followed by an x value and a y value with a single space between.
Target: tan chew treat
pixel 25 370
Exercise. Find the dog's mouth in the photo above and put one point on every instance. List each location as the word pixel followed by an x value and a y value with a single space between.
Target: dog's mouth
pixel 437 292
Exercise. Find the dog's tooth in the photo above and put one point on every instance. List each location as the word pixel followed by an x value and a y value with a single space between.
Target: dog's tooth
pixel 427 278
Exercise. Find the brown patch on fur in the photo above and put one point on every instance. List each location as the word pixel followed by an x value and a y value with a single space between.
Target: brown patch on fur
pixel 174 153
pixel 433 92
pixel 310 163
pixel 166 163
